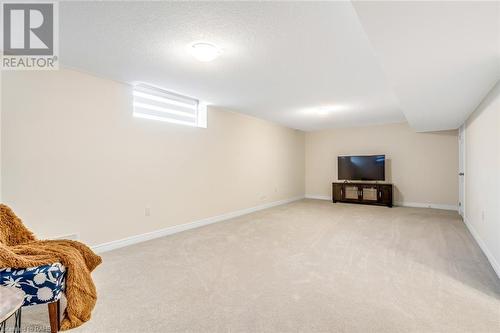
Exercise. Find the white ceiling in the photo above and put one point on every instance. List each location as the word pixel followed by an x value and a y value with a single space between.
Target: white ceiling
pixel 306 65
pixel 441 58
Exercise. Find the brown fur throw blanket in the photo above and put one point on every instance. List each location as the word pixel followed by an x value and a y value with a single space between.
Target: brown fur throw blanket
pixel 20 249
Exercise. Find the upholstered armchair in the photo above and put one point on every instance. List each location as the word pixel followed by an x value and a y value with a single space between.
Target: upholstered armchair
pixel 41 285
pixel 45 269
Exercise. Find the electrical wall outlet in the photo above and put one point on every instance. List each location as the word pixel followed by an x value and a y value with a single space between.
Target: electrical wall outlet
pixel 147 211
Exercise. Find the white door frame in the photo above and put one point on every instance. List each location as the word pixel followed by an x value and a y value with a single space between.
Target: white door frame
pixel 461 170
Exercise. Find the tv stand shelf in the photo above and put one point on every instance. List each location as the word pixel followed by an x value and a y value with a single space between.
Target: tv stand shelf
pixel 363 193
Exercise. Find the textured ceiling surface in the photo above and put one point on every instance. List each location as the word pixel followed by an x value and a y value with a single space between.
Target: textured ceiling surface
pixel 441 58
pixel 306 65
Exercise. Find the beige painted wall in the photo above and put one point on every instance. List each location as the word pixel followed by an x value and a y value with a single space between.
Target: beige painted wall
pixel 482 175
pixel 422 166
pixel 76 161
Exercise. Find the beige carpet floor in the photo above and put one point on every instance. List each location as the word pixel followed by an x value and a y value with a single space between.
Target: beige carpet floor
pixel 309 266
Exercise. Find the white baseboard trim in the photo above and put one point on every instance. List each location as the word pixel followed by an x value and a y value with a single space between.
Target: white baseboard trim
pixel 69 236
pixel 318 197
pixel 402 204
pixel 426 205
pixel 113 245
pixel 484 248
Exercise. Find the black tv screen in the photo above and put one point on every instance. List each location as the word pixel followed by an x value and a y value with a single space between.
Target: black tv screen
pixel 361 167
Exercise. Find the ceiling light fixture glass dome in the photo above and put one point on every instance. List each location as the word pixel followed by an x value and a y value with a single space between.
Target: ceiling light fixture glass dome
pixel 204 51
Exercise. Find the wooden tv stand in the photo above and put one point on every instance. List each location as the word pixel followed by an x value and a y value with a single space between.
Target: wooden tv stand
pixel 363 193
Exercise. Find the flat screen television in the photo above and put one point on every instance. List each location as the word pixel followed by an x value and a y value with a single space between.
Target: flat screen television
pixel 361 167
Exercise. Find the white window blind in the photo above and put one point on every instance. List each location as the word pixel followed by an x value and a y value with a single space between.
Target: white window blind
pixel 158 104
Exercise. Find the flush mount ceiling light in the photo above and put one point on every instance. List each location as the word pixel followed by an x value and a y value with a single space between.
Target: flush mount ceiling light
pixel 204 51
pixel 322 112
pixel 327 110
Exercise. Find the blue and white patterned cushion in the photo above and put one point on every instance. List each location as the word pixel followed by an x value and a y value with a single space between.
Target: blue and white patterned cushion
pixel 41 284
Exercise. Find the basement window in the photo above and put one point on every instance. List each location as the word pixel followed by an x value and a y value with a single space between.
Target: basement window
pixel 157 104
